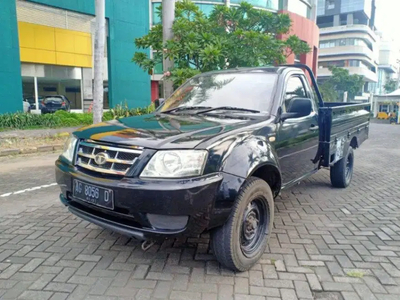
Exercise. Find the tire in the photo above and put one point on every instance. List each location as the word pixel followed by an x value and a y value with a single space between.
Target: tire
pixel 342 171
pixel 233 246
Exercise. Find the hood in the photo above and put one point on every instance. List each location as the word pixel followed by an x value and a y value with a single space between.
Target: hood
pixel 162 131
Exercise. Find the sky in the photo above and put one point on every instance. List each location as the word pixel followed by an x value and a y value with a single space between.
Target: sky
pixel 388 18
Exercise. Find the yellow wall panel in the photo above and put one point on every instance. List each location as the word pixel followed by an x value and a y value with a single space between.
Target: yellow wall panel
pixel 46 57
pixel 26 35
pixel 83 60
pixel 27 54
pixel 44 38
pixel 48 45
pixel 66 59
pixel 64 42
pixel 83 45
pixel 38 56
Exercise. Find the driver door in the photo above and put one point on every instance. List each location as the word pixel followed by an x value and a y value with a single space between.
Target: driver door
pixel 298 137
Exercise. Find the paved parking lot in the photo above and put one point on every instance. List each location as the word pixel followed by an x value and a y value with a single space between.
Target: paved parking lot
pixel 327 244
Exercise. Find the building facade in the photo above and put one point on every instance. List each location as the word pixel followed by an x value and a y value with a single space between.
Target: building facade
pixel 348 40
pixel 388 67
pixel 48 48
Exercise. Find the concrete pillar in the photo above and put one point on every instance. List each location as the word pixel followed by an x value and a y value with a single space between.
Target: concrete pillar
pixel 336 20
pixel 376 106
pixel 228 3
pixel 87 88
pixel 350 19
pixel 313 10
pixel 35 86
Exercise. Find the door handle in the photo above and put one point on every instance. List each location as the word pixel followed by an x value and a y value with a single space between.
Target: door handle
pixel 314 127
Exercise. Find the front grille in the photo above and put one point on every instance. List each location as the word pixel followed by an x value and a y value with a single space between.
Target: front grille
pixel 117 161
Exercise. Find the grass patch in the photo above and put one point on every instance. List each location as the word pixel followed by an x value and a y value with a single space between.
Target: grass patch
pixel 355 274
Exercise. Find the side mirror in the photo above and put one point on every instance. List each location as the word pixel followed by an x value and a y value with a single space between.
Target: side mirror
pixel 288 115
pixel 298 108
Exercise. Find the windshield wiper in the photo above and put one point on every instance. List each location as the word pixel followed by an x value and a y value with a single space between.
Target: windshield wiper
pixel 227 108
pixel 182 108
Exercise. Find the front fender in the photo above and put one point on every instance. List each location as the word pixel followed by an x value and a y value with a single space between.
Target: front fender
pixel 242 157
pixel 249 154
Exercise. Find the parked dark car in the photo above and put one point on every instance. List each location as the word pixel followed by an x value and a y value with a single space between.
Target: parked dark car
pixel 32 102
pixel 212 158
pixel 51 104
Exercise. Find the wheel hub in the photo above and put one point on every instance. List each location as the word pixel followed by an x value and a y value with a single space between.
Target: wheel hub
pixel 254 227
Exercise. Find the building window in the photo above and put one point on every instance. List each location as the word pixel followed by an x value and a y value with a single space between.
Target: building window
pixel 330 4
pixel 300 7
pixel 269 4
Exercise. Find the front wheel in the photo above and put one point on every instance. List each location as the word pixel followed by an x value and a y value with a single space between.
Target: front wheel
pixel 242 240
pixel 342 171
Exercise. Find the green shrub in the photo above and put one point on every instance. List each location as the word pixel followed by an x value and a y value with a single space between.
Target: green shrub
pixel 123 111
pixel 65 119
pixel 21 120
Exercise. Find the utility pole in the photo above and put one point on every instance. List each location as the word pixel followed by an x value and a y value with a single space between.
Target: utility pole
pixel 98 61
pixel 168 16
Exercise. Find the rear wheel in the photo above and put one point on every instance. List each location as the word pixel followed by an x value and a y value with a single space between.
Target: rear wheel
pixel 242 240
pixel 342 171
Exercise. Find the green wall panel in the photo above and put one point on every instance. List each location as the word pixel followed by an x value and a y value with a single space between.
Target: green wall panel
pixel 127 20
pixel 10 66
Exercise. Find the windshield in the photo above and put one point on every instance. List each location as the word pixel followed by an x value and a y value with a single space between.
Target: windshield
pixel 244 90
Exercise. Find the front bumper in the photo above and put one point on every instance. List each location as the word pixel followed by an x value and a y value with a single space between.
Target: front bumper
pixel 145 209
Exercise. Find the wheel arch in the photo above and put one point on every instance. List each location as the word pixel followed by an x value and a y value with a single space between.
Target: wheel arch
pixel 270 174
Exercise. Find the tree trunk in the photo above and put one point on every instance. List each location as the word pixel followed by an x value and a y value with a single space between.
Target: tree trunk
pixel 168 16
pixel 98 61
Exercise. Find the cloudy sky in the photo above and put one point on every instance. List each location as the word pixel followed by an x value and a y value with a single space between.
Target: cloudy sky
pixel 388 18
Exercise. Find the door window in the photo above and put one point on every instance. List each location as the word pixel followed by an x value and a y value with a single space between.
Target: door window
pixel 294 89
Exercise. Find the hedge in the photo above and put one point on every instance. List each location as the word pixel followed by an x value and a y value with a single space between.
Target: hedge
pixel 65 119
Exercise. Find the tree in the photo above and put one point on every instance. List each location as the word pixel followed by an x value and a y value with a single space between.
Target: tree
pixel 229 37
pixel 390 86
pixel 341 81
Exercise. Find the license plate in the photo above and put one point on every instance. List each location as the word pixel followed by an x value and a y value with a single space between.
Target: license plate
pixel 93 194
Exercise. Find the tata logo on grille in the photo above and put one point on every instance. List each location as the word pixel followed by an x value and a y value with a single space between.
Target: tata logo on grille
pixel 101 158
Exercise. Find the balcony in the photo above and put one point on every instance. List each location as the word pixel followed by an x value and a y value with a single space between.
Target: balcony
pixel 348 28
pixel 369 76
pixel 347 51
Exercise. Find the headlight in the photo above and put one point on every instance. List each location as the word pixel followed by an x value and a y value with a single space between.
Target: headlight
pixel 175 164
pixel 69 148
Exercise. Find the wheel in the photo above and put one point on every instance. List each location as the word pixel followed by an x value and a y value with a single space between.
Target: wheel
pixel 342 171
pixel 242 240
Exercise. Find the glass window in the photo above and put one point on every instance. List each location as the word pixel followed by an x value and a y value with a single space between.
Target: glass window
pixel 154 8
pixel 270 4
pixel 294 89
pixel 206 8
pixel 53 99
pixel 299 8
pixel 330 4
pixel 215 90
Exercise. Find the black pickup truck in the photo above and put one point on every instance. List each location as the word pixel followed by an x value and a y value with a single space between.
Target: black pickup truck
pixel 212 158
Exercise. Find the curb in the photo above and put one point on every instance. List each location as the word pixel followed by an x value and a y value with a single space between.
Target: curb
pixel 5 136
pixel 29 150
